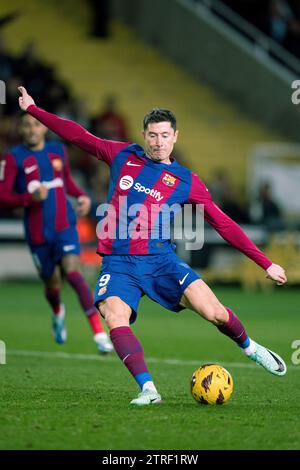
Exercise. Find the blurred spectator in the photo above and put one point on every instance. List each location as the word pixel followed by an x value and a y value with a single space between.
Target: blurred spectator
pixel 30 70
pixel 280 19
pixel 6 61
pixel 11 107
pixel 100 18
pixel 269 213
pixel 221 189
pixel 219 186
pixel 285 25
pixel 254 11
pixel 110 124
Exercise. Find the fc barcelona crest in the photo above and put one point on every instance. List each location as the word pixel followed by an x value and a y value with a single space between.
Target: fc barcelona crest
pixel 169 180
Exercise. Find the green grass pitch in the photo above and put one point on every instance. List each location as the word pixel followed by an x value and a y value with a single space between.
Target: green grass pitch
pixel 68 397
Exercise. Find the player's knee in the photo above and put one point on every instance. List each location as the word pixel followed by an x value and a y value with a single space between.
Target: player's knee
pixel 53 283
pixel 113 313
pixel 70 263
pixel 217 314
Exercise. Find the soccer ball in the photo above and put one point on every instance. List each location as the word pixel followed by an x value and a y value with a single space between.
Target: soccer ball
pixel 211 384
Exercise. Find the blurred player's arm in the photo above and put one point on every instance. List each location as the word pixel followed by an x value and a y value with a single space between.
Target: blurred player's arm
pixel 10 199
pixel 232 232
pixel 74 190
pixel 68 130
pixel 8 173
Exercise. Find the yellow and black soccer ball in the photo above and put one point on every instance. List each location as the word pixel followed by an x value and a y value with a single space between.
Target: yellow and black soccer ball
pixel 211 384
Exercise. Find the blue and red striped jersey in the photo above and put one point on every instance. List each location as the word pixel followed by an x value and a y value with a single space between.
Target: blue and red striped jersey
pixel 22 170
pixel 140 193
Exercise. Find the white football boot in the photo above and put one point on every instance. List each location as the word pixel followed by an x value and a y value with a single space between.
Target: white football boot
pixel 268 359
pixel 147 397
pixel 103 343
pixel 58 326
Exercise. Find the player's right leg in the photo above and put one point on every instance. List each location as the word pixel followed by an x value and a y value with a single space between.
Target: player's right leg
pixel 200 298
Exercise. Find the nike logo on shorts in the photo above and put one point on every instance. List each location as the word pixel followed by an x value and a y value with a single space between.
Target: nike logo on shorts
pixel 69 247
pixel 181 281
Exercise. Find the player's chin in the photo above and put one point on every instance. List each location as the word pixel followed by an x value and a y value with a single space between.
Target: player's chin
pixel 32 141
pixel 159 157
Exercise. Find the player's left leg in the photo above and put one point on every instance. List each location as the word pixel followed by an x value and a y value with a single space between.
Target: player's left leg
pixel 53 289
pixel 117 296
pixel 117 314
pixel 71 267
pixel 200 298
pixel 52 294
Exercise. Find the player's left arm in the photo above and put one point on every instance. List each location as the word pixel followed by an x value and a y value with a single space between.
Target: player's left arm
pixel 232 232
pixel 70 131
pixel 74 190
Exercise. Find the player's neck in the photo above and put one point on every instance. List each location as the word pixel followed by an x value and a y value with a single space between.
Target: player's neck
pixel 167 161
pixel 35 147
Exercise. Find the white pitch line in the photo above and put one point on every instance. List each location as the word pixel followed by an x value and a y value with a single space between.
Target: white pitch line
pixel 153 360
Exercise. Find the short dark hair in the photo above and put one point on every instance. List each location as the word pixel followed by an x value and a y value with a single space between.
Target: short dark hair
pixel 160 115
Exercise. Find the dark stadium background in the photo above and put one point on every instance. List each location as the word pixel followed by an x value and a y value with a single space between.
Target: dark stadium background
pixel 226 69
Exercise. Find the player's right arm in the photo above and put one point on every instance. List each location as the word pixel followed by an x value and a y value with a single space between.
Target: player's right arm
pixel 8 173
pixel 68 130
pixel 232 232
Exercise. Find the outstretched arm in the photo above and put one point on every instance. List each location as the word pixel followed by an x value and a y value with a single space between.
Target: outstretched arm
pixel 232 232
pixel 68 130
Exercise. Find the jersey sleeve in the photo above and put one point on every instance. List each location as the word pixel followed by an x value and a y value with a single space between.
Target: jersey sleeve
pixel 8 172
pixel 72 188
pixel 102 149
pixel 224 225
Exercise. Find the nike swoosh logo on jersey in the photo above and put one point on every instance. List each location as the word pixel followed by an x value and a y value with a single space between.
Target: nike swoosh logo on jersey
pixel 30 169
pixel 132 164
pixel 181 281
pixel 69 247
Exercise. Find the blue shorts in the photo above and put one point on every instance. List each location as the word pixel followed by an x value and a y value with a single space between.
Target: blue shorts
pixel 47 256
pixel 163 278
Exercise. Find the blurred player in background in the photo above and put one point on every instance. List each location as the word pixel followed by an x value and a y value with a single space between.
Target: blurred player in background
pixel 36 175
pixel 137 265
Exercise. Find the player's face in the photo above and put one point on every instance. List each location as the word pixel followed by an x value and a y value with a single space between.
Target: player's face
pixel 33 132
pixel 160 138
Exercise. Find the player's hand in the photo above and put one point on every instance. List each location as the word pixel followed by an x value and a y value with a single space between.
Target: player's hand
pixel 25 100
pixel 84 206
pixel 277 274
pixel 40 194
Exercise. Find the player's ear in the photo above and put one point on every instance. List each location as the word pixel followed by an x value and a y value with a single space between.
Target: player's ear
pixel 176 136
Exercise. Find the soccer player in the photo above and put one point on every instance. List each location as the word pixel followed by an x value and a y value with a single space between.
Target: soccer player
pixel 137 265
pixel 36 175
